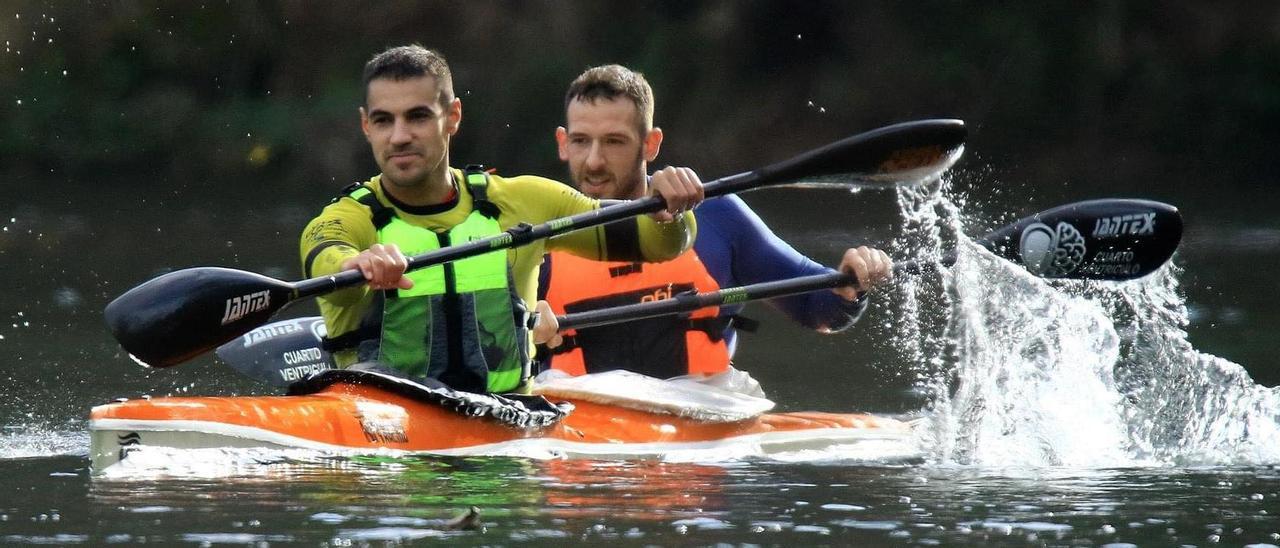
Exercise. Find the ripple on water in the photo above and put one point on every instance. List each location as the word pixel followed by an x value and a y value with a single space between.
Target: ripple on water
pixel 843 507
pixel 536 534
pixel 869 525
pixel 54 540
pixel 390 534
pixel 329 517
pixel 152 509
pixel 234 538
pixel 703 524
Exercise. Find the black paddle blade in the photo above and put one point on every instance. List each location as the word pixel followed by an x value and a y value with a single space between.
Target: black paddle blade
pixel 908 151
pixel 1116 239
pixel 279 353
pixel 183 314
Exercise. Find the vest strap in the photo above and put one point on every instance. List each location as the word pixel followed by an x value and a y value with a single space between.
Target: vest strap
pixel 478 184
pixel 350 339
pixel 380 213
pixel 623 270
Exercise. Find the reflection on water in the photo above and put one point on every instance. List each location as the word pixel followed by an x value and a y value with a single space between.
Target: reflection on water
pixel 399 499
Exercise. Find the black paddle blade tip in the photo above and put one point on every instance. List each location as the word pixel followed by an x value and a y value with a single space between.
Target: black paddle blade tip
pixel 1108 239
pixel 182 314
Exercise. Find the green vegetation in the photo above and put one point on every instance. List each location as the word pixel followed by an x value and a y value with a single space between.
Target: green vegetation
pixel 1085 95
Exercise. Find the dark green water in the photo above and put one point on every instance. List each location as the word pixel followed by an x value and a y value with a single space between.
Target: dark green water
pixel 380 502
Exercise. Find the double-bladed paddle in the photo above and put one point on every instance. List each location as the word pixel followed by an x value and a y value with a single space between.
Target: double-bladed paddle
pixel 1112 239
pixel 183 314
pixel 1116 240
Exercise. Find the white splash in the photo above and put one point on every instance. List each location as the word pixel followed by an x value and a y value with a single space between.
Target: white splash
pixel 36 439
pixel 1026 372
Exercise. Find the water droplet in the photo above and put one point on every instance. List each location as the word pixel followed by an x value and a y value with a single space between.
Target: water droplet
pixel 64 73
pixel 798 37
pixel 19 102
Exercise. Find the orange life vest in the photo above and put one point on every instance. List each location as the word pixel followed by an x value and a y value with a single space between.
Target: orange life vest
pixel 662 347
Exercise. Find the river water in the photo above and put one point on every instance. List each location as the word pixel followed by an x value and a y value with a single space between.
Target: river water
pixel 1061 413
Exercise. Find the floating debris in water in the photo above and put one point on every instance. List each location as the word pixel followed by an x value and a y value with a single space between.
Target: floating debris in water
pixel 468 521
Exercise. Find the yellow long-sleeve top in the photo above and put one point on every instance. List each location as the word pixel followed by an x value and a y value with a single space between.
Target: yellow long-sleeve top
pixel 345 227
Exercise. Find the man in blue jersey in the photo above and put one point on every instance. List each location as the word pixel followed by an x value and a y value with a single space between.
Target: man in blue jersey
pixel 607 141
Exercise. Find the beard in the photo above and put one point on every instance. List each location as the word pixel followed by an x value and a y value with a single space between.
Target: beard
pixel 609 185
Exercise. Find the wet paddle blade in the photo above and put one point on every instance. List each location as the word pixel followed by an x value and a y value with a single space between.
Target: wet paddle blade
pixel 893 155
pixel 183 314
pixel 1112 239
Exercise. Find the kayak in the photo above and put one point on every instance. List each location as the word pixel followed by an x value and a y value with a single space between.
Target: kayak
pixel 615 415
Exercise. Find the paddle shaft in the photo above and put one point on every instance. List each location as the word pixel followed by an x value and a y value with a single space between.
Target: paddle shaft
pixel 1114 240
pixel 889 153
pixel 523 234
pixel 690 301
pixel 182 314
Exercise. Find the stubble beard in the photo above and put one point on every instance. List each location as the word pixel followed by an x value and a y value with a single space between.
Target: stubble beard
pixel 633 187
pixel 419 182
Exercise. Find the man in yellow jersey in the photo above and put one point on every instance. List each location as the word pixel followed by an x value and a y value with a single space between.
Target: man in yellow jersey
pixel 462 323
pixel 607 141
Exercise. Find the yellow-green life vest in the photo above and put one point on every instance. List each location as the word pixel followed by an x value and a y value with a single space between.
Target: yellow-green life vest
pixel 462 323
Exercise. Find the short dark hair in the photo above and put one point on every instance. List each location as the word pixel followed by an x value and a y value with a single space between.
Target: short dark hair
pixel 412 61
pixel 611 82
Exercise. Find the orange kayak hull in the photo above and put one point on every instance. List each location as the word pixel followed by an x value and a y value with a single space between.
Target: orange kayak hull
pixel 359 418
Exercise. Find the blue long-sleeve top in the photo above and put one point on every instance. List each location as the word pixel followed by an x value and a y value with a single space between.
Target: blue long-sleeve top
pixel 739 249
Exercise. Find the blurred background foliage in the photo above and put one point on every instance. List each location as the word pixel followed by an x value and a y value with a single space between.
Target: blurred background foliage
pixel 1093 95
